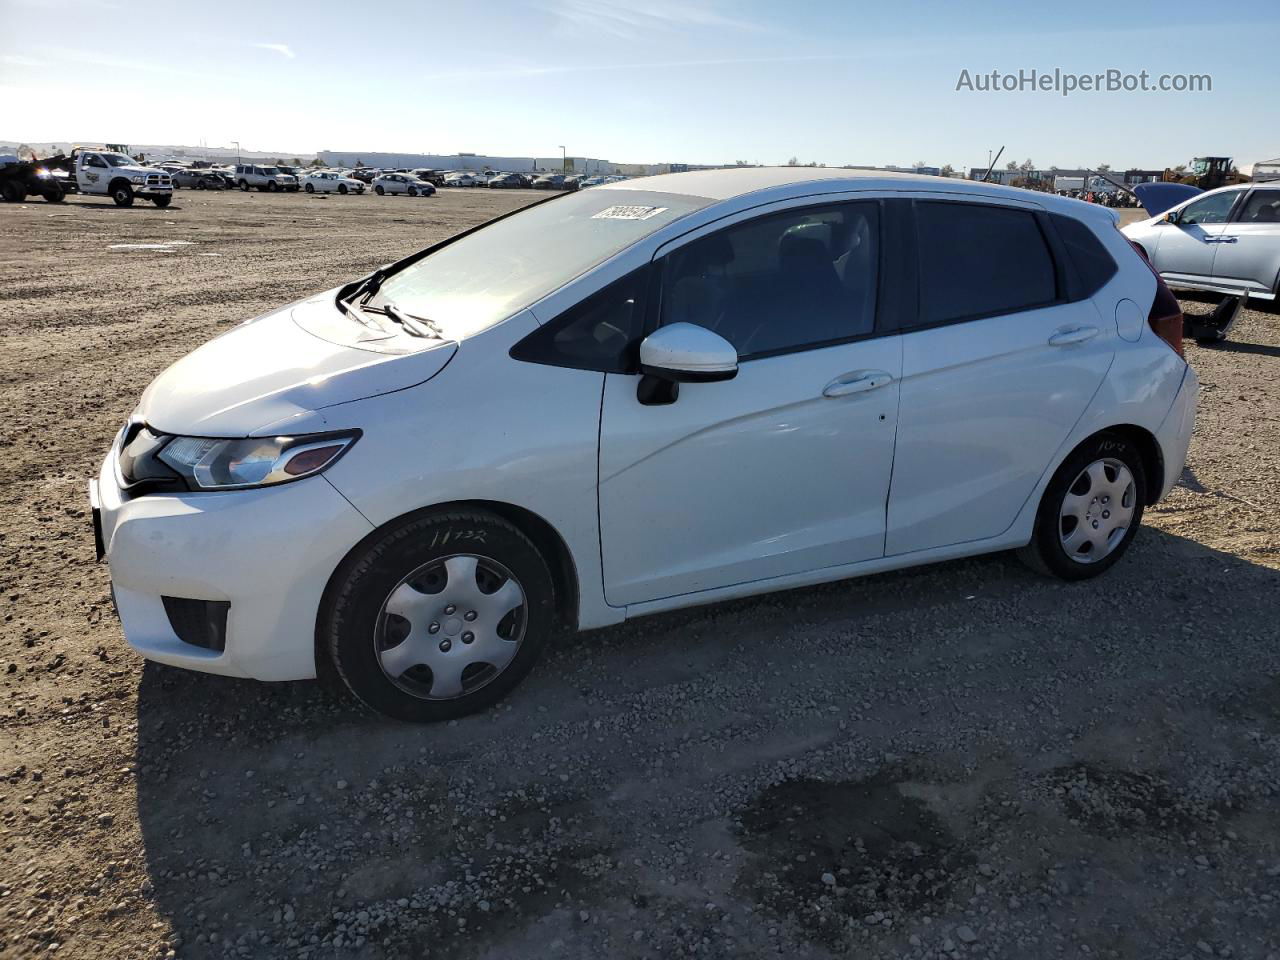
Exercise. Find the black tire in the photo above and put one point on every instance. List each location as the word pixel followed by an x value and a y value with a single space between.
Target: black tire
pixel 353 610
pixel 310 188
pixel 379 191
pixel 1046 552
pixel 122 194
pixel 162 202
pixel 413 191
pixel 244 185
pixel 55 194
pixel 12 191
pixel 200 185
pixel 271 186
pixel 342 189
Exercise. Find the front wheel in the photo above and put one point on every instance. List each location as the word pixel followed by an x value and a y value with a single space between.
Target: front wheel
pixel 438 616
pixel 162 202
pixel 342 188
pixel 55 194
pixel 1090 511
pixel 122 194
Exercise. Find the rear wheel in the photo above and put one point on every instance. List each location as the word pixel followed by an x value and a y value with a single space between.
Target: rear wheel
pixel 311 188
pixel 244 185
pixel 1090 511
pixel 12 191
pixel 438 616
pixel 54 193
pixel 122 194
pixel 379 191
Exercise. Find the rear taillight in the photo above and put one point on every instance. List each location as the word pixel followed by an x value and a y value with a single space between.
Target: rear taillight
pixel 1165 316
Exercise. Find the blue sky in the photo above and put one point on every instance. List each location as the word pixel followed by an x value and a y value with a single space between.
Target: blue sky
pixel 645 81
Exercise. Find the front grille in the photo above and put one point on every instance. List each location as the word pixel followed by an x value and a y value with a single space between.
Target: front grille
pixel 201 623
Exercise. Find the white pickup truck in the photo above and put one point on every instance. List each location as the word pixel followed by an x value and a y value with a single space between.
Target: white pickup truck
pixel 106 173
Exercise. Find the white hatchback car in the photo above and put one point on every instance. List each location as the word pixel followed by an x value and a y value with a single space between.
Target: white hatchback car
pixel 327 181
pixel 644 396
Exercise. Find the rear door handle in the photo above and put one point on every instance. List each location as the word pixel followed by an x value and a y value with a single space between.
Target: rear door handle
pixel 1078 335
pixel 859 381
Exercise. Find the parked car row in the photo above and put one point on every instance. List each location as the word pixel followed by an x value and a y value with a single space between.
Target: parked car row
pixel 421 181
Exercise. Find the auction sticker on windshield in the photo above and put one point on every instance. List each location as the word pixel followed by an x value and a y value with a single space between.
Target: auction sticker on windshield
pixel 627 212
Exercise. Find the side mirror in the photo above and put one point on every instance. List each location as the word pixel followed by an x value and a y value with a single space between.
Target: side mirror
pixel 687 353
pixel 1171 217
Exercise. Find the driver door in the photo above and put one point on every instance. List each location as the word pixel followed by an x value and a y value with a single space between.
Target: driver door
pixel 91 174
pixel 1187 248
pixel 785 468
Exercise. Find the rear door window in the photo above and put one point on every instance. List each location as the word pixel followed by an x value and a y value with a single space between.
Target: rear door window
pixel 1263 206
pixel 980 260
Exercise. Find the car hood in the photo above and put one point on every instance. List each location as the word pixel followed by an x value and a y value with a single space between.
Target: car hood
pixel 1158 197
pixel 294 361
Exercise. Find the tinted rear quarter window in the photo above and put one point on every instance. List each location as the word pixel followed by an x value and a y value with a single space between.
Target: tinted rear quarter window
pixel 979 260
pixel 1093 264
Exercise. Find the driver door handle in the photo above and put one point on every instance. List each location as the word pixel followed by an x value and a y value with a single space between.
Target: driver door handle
pixel 1066 337
pixel 1223 239
pixel 859 381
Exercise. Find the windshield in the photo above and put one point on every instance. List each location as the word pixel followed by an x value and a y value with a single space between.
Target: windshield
pixel 268 170
pixel 117 159
pixel 499 270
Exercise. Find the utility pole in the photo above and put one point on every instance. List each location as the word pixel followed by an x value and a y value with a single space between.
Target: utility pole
pixel 237 143
pixel 564 160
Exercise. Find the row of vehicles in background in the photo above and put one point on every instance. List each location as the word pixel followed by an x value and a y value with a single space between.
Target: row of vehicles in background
pixel 422 181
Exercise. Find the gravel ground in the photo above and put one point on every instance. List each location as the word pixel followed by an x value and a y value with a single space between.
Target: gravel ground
pixel 959 761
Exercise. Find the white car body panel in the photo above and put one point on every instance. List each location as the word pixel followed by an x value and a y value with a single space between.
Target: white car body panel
pixel 638 495
pixel 682 487
pixel 271 369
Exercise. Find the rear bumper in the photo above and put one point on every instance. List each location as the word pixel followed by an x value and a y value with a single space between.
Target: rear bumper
pixel 1174 434
pixel 268 553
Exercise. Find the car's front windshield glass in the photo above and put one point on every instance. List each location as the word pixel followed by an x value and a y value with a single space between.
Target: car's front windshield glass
pixel 497 271
pixel 269 170
pixel 117 159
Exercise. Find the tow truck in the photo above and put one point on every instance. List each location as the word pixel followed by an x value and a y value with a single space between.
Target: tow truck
pixel 109 171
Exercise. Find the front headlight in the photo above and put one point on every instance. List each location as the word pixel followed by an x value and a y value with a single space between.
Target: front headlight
pixel 234 464
pixel 138 179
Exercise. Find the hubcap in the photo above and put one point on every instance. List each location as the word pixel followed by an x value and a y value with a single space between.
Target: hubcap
pixel 450 627
pixel 1097 510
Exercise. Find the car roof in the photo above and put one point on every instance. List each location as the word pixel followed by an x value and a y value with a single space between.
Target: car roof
pixel 732 183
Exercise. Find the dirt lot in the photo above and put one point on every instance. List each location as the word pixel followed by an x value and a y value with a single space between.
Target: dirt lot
pixel 960 761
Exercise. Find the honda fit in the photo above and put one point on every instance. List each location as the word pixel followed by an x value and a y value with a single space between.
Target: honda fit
pixel 648 395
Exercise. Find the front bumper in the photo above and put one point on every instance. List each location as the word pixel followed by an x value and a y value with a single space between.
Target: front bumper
pixel 268 553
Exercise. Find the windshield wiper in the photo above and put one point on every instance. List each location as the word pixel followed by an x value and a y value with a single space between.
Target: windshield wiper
pixel 418 326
